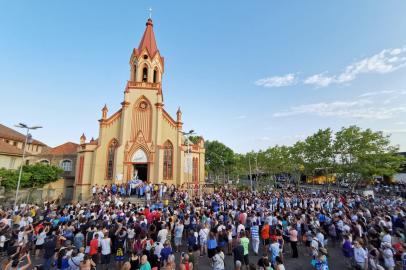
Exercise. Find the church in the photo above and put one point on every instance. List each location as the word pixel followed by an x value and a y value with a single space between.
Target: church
pixel 141 140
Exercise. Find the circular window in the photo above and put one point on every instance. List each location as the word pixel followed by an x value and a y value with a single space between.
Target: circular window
pixel 143 105
pixel 145 56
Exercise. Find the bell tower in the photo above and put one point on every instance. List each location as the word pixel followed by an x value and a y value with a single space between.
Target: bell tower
pixel 147 65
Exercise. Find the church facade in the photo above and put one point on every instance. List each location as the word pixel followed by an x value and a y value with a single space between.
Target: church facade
pixel 141 140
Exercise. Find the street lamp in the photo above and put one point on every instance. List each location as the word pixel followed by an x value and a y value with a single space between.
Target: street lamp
pixel 28 139
pixel 187 135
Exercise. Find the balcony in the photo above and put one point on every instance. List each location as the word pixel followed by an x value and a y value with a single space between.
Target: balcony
pixel 143 85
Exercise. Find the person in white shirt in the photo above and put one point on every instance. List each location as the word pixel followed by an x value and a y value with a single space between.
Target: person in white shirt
pixel 178 232
pixel 74 262
pixel 158 246
pixel 240 228
pixel 163 234
pixel 2 242
pixel 320 238
pixel 105 244
pixel 387 254
pixel 203 234
pixel 42 234
pixel 387 238
pixel 360 255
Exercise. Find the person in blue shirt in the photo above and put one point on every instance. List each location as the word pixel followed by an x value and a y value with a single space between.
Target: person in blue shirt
pixel 211 245
pixel 166 251
pixel 192 240
pixel 114 189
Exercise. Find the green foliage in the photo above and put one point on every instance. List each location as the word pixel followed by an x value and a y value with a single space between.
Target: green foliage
pixel 318 151
pixel 219 158
pixel 35 175
pixel 363 154
pixel 351 153
pixel 195 139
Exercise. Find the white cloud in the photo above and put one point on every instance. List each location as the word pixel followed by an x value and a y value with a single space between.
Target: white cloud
pixel 384 92
pixel 320 80
pixel 363 109
pixel 241 117
pixel 277 81
pixel 387 96
pixel 386 61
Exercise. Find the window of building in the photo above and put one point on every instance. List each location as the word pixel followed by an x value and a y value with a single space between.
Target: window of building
pixel 12 162
pixel 168 160
pixel 66 165
pixel 145 74
pixel 195 172
pixel 45 161
pixel 155 76
pixel 15 143
pixel 111 151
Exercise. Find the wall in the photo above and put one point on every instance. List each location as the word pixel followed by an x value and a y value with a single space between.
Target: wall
pixel 10 162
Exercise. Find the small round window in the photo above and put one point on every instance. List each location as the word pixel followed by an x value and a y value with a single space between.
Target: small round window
pixel 145 56
pixel 143 105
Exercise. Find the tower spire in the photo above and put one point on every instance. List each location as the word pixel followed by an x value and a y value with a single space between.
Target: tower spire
pixel 148 39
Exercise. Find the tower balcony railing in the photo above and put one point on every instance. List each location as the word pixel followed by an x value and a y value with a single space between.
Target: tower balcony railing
pixel 145 85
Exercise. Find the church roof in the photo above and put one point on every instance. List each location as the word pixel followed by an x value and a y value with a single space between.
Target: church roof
pixel 148 40
pixel 67 148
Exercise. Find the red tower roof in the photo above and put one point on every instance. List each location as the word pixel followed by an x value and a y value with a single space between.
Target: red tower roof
pixel 148 40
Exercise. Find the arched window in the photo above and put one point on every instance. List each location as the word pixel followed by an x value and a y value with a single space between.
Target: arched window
pixel 195 172
pixel 168 160
pixel 145 74
pixel 66 165
pixel 111 152
pixel 155 76
pixel 44 161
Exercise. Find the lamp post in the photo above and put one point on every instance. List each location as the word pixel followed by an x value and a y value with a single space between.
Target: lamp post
pixel 28 139
pixel 187 135
pixel 249 165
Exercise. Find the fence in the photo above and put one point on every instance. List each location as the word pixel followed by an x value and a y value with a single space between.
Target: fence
pixel 38 195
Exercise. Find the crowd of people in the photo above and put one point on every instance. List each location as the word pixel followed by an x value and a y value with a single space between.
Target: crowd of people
pixel 168 228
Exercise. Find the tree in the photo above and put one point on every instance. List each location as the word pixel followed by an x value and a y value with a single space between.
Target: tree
pixel 318 152
pixel 195 139
pixel 296 158
pixel 35 175
pixel 219 158
pixel 363 154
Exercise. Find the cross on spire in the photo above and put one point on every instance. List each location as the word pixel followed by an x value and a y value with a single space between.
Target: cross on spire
pixel 150 13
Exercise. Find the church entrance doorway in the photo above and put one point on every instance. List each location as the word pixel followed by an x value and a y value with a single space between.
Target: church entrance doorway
pixel 142 171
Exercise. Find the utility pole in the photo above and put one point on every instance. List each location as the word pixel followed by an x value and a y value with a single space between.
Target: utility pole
pixel 28 139
pixel 257 176
pixel 249 164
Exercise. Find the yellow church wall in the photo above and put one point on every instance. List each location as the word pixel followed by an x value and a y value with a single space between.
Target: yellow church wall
pixel 82 189
pixel 107 132
pixel 170 132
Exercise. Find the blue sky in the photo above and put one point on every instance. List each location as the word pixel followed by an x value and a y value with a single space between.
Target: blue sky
pixel 248 73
